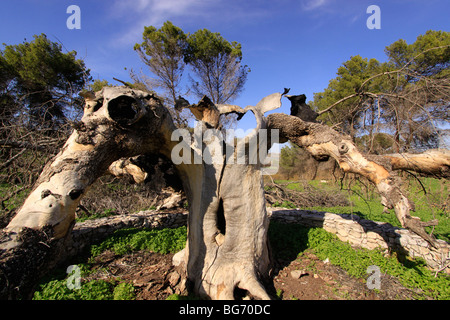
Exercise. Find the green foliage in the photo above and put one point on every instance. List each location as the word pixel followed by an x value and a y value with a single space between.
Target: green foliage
pixel 123 241
pixel 411 273
pixel 431 198
pixel 295 161
pixel 41 63
pixel 287 240
pixel 178 297
pixel 57 289
pixel 98 85
pixel 417 56
pixel 129 240
pixel 169 40
pixel 40 75
pixel 206 46
pixel 284 204
pixel 214 62
pixel 350 76
pixel 81 217
pixel 92 290
pixel 13 202
pixel 378 143
pixel 366 203
pixel 288 156
pixel 124 291
pixel 175 297
pixel 162 50
pixel 401 97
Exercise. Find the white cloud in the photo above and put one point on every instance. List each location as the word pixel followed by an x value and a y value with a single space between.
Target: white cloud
pixel 309 5
pixel 152 12
pixel 133 17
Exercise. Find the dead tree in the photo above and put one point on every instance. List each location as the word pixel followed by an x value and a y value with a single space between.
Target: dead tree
pixel 227 246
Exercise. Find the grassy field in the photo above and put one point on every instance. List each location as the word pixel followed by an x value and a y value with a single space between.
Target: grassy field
pixel 431 198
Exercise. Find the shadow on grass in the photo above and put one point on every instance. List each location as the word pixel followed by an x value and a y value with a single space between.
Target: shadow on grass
pixel 287 241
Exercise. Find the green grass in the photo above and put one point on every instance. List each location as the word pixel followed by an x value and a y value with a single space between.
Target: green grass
pixel 92 290
pixel 14 201
pixel 121 242
pixel 284 204
pixel 56 288
pixel 128 240
pixel 365 202
pixel 288 241
pixel 81 217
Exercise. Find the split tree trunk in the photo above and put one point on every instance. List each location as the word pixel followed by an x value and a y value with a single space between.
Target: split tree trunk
pixel 227 228
pixel 227 246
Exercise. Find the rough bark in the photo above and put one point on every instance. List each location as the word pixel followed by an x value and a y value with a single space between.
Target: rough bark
pixel 121 123
pixel 117 122
pixel 227 226
pixel 434 163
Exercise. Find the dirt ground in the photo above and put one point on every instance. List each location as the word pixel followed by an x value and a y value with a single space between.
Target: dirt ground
pixel 312 279
pixel 321 280
pixel 149 272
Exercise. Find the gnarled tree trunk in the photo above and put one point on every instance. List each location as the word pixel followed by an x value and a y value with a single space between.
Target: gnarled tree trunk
pixel 227 246
pixel 117 122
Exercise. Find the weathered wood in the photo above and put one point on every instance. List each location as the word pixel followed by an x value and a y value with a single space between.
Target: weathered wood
pixel 434 163
pixel 127 168
pixel 117 123
pixel 227 246
pixel 321 140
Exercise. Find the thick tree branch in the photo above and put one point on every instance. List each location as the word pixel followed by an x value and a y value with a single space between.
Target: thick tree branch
pixel 435 163
pixel 320 140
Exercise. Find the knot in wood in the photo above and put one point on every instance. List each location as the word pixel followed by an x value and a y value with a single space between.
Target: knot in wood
pixel 343 148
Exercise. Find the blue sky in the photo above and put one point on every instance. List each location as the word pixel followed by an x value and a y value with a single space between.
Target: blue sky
pixel 297 44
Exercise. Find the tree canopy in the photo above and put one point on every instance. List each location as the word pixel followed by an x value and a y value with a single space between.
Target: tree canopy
pixel 406 97
pixel 214 64
pixel 41 81
pixel 162 50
